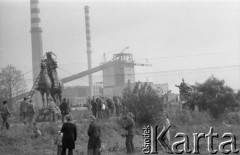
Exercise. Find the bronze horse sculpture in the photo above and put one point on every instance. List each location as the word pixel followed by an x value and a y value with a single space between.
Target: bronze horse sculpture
pixel 44 83
pixel 49 82
pixel 57 86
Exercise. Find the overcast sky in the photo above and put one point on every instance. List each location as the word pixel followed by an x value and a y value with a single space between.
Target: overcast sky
pixel 181 39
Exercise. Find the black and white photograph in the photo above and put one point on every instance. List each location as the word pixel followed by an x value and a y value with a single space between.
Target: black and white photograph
pixel 116 77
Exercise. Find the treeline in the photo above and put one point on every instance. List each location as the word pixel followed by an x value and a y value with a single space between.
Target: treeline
pixel 213 97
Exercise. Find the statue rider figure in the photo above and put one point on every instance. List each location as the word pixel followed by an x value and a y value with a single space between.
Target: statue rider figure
pixel 51 67
pixel 184 88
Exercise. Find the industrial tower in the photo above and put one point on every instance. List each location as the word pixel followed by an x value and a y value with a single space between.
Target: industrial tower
pixel 88 41
pixel 118 74
pixel 36 37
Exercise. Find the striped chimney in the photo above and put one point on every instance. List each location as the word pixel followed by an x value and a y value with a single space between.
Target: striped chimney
pixel 36 38
pixel 88 40
pixel 37 51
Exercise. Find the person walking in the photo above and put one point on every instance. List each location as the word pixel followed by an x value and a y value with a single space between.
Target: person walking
pixel 64 107
pixel 5 113
pixel 129 126
pixel 30 111
pixel 69 130
pixel 94 133
pixel 23 110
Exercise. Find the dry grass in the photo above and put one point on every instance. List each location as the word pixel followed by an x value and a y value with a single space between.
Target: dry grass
pixel 190 123
pixel 18 141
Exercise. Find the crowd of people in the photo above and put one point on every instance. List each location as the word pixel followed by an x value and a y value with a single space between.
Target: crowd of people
pixel 110 107
pixel 67 135
pixel 106 106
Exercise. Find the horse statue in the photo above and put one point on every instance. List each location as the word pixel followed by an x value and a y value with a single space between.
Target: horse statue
pixel 44 83
pixel 49 84
pixel 185 90
pixel 188 93
pixel 57 86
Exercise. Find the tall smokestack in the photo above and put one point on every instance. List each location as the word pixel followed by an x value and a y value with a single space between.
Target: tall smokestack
pixel 36 36
pixel 37 51
pixel 88 39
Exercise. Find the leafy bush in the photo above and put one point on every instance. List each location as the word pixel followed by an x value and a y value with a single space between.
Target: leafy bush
pixel 143 101
pixel 213 96
pixel 216 97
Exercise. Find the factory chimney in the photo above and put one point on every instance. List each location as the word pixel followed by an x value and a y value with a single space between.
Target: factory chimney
pixel 88 41
pixel 36 38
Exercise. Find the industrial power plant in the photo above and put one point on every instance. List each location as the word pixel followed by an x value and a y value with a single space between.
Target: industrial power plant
pixel 119 77
pixel 116 73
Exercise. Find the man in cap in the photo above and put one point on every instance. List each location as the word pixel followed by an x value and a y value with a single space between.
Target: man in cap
pixel 129 126
pixel 5 113
pixel 23 109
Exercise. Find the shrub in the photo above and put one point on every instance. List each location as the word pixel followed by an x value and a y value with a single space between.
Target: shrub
pixel 143 101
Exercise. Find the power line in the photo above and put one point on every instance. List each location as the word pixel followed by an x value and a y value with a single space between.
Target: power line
pixel 168 57
pixel 164 73
pixel 179 71
pixel 158 72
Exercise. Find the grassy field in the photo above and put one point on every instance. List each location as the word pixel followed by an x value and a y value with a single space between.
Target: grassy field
pixel 19 139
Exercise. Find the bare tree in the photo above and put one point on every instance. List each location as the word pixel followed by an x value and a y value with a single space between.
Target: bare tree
pixel 12 82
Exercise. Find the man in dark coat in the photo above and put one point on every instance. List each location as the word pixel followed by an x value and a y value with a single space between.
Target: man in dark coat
pixel 129 126
pixel 69 131
pixel 64 107
pixel 94 133
pixel 94 106
pixel 5 113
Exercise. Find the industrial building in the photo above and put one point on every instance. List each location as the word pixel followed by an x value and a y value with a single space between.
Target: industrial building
pixel 117 73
